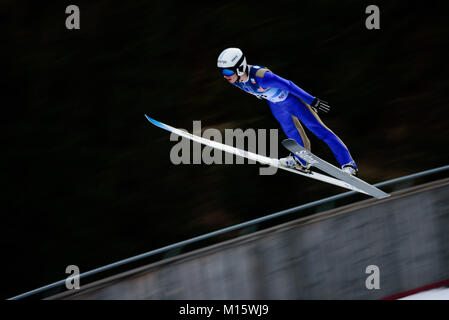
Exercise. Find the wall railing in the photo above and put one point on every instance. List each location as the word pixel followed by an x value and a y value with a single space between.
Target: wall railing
pixel 325 204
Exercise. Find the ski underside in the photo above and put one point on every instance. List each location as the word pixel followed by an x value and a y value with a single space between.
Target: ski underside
pixel 338 180
pixel 293 146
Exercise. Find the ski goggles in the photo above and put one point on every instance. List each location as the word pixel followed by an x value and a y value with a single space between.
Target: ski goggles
pixel 227 72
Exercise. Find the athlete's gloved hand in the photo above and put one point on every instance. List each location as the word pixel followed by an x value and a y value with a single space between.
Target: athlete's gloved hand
pixel 320 105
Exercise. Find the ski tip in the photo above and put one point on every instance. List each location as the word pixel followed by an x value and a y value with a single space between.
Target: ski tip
pixel 289 143
pixel 155 122
pixel 149 119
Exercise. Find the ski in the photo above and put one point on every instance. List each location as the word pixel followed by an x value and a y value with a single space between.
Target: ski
pixel 253 156
pixel 319 163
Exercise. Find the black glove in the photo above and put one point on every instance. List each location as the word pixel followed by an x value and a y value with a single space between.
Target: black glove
pixel 320 105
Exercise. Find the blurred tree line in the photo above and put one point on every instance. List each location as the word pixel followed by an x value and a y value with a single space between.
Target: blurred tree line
pixel 88 181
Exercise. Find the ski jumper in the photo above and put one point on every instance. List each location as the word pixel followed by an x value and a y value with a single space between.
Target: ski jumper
pixel 286 100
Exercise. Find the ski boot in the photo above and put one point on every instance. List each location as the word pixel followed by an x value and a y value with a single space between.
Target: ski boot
pixel 350 169
pixel 292 162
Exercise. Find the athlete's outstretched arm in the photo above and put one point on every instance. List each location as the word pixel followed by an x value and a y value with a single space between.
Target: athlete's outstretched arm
pixel 271 80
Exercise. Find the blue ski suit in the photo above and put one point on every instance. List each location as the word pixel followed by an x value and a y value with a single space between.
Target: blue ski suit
pixel 286 100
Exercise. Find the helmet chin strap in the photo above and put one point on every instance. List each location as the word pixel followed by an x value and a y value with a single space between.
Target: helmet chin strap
pixel 239 77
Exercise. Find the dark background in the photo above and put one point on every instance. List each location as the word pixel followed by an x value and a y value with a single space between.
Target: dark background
pixel 88 181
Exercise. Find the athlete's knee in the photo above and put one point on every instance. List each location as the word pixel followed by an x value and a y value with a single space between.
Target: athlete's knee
pixel 320 131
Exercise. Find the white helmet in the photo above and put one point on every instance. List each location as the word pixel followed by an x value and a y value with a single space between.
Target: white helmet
pixel 232 61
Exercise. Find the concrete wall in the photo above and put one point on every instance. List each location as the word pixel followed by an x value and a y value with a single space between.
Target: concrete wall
pixel 319 257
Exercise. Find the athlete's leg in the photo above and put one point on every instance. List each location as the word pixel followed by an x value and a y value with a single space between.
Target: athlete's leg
pixel 311 120
pixel 284 117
